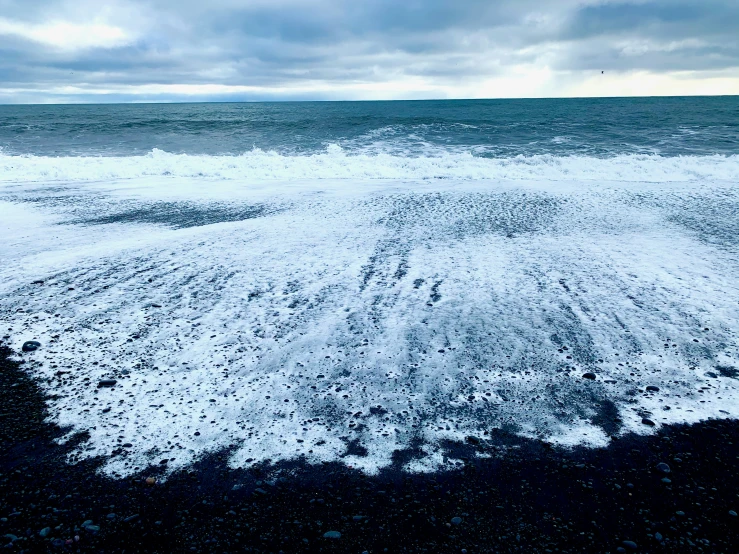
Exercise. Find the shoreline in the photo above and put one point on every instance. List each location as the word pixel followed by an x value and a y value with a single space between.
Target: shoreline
pixel 525 497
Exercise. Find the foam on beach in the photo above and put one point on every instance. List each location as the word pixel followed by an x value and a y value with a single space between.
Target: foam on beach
pixel 346 319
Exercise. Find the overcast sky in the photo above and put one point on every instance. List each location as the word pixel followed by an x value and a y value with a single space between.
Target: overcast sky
pixel 161 50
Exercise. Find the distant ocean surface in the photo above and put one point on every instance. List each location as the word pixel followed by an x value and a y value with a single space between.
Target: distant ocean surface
pixel 667 138
pixel 345 281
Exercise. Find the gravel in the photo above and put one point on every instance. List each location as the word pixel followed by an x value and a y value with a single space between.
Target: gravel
pixel 524 496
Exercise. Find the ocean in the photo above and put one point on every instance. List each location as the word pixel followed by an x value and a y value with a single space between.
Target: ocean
pixel 343 281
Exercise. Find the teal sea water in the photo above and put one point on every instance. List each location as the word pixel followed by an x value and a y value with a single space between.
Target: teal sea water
pixel 486 128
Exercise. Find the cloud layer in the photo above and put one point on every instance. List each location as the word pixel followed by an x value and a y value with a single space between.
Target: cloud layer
pixel 56 50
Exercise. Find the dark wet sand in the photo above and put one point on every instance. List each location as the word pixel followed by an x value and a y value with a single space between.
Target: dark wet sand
pixel 526 498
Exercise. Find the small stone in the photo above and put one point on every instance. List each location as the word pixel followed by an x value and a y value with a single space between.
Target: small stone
pixel 630 544
pixel 111 516
pixel 663 467
pixel 45 532
pixel 649 422
pixel 666 480
pixel 732 513
pixel 332 535
pixel 589 375
pixel 652 388
pixel 680 513
pixel 150 481
pixel 658 536
pixel 93 528
pixel 456 520
pixel 31 346
pixel 107 383
pixel 57 542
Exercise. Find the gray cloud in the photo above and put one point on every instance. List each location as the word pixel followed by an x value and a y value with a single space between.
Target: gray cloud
pixel 299 46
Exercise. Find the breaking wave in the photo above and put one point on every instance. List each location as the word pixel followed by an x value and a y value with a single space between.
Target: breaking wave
pixel 335 163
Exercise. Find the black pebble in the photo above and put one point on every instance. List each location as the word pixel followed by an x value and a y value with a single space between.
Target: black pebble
pixel 589 376
pixel 31 346
pixel 649 422
pixel 107 383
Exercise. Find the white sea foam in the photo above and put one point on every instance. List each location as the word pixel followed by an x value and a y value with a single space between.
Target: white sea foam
pixel 335 163
pixel 289 322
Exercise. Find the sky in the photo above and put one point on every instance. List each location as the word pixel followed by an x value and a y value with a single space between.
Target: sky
pixel 253 50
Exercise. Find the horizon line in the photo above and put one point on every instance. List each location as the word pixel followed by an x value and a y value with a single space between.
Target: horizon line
pixel 293 101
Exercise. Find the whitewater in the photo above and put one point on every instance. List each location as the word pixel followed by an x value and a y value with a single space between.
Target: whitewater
pixel 334 162
pixel 336 306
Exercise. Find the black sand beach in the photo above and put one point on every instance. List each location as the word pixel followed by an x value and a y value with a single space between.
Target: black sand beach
pixel 526 497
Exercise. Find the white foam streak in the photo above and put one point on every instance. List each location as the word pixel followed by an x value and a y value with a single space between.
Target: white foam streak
pixel 346 327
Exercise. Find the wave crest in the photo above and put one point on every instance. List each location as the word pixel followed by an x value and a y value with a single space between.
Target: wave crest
pixel 335 163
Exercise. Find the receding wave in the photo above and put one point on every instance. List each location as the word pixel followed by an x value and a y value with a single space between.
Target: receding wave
pixel 335 163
